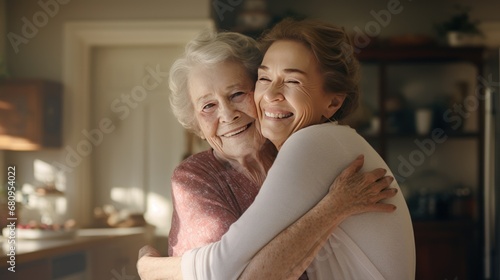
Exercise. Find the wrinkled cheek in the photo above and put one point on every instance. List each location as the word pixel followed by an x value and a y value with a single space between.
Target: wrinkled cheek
pixel 306 118
pixel 252 109
pixel 215 143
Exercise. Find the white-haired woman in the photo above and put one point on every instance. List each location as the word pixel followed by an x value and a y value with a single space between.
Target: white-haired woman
pixel 213 96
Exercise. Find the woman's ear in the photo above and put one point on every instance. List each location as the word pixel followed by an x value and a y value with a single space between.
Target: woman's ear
pixel 335 101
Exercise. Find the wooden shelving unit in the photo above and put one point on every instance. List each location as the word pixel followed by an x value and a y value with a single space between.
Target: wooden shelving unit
pixel 448 246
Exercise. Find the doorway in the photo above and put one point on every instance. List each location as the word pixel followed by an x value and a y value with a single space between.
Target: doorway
pixel 95 108
pixel 133 160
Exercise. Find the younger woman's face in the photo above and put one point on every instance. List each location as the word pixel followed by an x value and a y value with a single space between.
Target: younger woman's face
pixel 289 93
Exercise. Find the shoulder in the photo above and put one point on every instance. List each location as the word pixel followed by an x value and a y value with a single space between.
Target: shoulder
pixel 310 146
pixel 200 164
pixel 324 128
pixel 321 135
pixel 199 169
pixel 199 158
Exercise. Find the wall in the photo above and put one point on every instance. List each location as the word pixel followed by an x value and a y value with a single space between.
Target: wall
pixel 41 56
pixel 3 35
pixel 2 59
pixel 40 53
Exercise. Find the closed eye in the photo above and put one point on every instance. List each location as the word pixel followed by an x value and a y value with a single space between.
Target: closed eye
pixel 237 95
pixel 264 79
pixel 208 107
pixel 292 82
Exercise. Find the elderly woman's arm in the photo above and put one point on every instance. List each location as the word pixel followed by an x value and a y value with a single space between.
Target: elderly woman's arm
pixel 151 266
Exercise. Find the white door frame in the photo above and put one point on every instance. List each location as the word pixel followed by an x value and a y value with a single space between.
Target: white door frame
pixel 79 39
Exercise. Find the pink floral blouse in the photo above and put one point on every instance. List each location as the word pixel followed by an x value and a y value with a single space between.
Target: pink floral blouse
pixel 208 196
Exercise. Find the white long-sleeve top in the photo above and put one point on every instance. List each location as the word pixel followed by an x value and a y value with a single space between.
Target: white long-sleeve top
pixel 366 246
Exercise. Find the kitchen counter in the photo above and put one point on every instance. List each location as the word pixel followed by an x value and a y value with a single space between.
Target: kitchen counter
pixel 84 239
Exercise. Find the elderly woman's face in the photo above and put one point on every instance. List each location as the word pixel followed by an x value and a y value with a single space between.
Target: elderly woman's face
pixel 289 91
pixel 222 96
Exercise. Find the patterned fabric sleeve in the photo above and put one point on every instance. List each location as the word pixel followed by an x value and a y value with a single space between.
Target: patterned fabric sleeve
pixel 201 211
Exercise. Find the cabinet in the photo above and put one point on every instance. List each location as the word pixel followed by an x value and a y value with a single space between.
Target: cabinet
pixel 422 109
pixel 97 253
pixel 444 250
pixel 30 114
pixel 116 259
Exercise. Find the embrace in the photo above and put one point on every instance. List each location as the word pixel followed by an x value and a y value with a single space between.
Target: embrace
pixel 286 191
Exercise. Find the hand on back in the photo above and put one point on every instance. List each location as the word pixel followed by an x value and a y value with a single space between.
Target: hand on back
pixel 356 192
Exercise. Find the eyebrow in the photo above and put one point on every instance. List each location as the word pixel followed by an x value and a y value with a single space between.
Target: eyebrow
pixel 202 98
pixel 286 70
pixel 228 89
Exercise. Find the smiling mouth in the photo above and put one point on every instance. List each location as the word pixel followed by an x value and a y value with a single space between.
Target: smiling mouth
pixel 236 132
pixel 277 116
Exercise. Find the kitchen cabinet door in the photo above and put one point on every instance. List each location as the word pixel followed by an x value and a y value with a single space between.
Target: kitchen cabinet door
pixel 30 114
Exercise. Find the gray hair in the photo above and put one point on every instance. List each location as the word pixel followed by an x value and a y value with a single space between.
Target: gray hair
pixel 208 48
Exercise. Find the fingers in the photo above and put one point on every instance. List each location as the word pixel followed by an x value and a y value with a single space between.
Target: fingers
pixel 382 183
pixel 375 174
pixel 354 166
pixel 387 193
pixel 382 188
pixel 148 251
pixel 383 207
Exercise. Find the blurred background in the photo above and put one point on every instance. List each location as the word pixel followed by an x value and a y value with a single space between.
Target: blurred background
pixel 85 120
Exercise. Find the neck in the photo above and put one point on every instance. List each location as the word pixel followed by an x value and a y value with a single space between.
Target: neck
pixel 256 165
pixel 277 144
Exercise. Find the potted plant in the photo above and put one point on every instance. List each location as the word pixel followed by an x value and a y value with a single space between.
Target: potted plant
pixel 460 30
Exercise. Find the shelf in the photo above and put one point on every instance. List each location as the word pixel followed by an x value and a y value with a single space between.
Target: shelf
pixel 411 136
pixel 448 134
pixel 421 54
pixel 401 80
pixel 426 226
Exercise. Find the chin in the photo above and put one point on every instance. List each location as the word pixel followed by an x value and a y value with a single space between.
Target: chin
pixel 277 142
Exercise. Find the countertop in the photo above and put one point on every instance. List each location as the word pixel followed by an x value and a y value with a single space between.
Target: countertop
pixel 29 250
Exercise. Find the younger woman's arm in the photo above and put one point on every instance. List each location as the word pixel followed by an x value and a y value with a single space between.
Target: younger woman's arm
pixel 288 255
pixel 292 250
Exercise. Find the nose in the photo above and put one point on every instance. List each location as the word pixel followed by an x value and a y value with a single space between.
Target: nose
pixel 274 93
pixel 228 113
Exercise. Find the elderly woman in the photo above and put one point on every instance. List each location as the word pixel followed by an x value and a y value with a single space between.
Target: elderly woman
pixel 213 91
